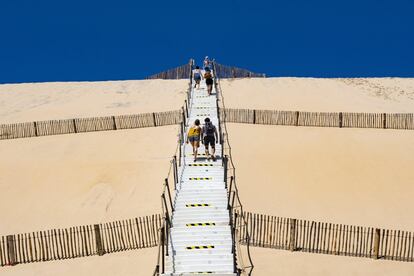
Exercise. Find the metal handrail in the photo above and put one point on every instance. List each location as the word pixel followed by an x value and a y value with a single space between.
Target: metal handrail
pixel 233 184
pixel 164 230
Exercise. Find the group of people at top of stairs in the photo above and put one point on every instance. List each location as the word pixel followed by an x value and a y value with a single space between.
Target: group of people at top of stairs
pixel 198 75
pixel 208 133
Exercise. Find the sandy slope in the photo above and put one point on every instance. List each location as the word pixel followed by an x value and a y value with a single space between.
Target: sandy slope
pixel 310 94
pixel 280 262
pixel 68 180
pixel 349 176
pixel 135 262
pixel 63 100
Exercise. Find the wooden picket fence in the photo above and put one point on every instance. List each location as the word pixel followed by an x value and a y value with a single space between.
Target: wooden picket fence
pixel 80 241
pixel 319 119
pixel 327 238
pixel 79 125
pixel 180 72
pixel 224 71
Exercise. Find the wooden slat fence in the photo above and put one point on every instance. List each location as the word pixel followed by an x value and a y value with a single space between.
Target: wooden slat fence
pixel 327 238
pixel 223 71
pixel 80 241
pixel 79 125
pixel 180 72
pixel 319 119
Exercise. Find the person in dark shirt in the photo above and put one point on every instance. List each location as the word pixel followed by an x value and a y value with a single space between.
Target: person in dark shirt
pixel 210 137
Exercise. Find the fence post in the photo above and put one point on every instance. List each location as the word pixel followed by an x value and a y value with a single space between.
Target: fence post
pixel 74 126
pixel 35 128
pixel 376 243
pixel 384 120
pixel 254 116
pixel 113 120
pixel 297 118
pixel 11 252
pixel 153 117
pixel 340 119
pixel 292 244
pixel 98 238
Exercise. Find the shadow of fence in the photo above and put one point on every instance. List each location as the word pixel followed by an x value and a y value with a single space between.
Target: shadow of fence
pixel 80 125
pixel 320 119
pixel 80 241
pixel 327 238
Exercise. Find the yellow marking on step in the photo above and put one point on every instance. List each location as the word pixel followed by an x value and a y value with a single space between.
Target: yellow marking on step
pixel 201 224
pixel 197 205
pixel 200 178
pixel 200 247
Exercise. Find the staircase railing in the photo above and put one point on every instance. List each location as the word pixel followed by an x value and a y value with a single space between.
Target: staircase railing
pixel 174 176
pixel 234 203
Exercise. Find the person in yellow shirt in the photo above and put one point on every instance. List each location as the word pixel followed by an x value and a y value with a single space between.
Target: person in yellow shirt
pixel 193 136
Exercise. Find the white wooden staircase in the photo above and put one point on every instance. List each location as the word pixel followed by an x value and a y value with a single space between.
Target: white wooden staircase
pixel 200 237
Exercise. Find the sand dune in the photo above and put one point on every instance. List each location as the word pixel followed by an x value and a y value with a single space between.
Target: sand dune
pixel 65 100
pixel 135 262
pixel 350 176
pixel 280 262
pixel 70 180
pixel 311 94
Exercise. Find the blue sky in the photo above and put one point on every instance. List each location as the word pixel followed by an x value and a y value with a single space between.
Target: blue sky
pixel 113 40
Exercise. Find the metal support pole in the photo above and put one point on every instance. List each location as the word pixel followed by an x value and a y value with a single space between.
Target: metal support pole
pixel 181 133
pixel 179 153
pixel 175 172
pixel 169 194
pixel 186 107
pixel 167 223
pixel 165 204
pixel 225 160
pixel 234 242
pixel 162 251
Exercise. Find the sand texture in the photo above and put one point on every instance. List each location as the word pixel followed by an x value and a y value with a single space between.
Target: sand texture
pixel 350 176
pixel 135 262
pixel 323 95
pixel 66 100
